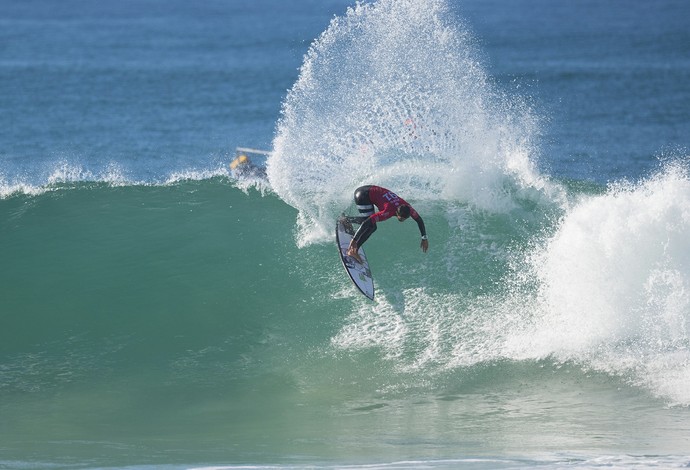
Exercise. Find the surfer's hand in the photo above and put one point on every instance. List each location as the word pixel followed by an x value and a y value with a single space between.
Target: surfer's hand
pixel 425 245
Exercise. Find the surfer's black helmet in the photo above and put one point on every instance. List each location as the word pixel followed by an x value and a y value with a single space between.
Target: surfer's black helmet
pixel 403 212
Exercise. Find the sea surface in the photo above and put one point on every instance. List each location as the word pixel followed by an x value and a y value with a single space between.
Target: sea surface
pixel 160 310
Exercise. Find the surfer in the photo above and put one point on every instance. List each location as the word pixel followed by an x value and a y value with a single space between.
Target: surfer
pixel 242 167
pixel 389 205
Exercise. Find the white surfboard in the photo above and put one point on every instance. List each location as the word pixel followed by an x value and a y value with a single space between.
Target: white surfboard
pixel 358 272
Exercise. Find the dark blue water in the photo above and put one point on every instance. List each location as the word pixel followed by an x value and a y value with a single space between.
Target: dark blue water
pixel 610 78
pixel 151 86
pixel 148 86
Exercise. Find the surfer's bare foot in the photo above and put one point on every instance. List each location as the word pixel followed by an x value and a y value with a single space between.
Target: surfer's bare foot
pixel 354 252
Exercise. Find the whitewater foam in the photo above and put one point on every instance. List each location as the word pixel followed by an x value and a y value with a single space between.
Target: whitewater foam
pixel 614 284
pixel 608 290
pixel 66 173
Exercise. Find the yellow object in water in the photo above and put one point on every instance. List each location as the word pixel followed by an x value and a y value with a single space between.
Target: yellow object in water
pixel 241 160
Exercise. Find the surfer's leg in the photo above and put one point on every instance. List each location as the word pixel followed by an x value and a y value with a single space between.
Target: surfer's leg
pixel 363 233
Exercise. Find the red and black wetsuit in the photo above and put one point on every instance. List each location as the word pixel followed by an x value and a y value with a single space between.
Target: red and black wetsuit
pixel 387 202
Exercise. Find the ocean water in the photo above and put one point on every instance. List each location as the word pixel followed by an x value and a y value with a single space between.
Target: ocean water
pixel 159 310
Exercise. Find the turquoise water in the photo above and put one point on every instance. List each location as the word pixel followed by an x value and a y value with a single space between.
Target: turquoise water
pixel 212 339
pixel 160 312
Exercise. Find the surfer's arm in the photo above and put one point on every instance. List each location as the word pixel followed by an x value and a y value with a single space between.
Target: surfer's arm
pixel 422 230
pixel 420 224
